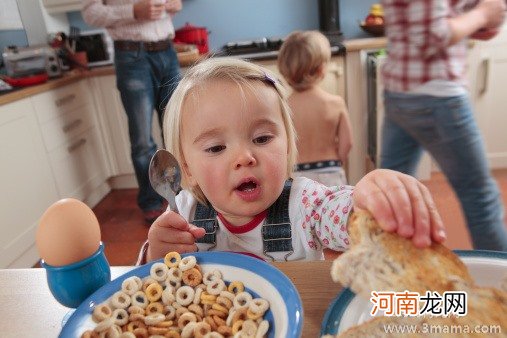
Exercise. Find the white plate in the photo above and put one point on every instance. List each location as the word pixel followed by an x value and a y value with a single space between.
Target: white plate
pixel 487 268
pixel 261 279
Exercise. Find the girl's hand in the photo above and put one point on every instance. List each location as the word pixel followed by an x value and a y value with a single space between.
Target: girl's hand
pixel 401 204
pixel 171 232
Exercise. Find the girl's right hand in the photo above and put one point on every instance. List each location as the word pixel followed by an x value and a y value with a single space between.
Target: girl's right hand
pixel 171 232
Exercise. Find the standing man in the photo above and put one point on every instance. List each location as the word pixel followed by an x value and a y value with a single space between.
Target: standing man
pixel 427 103
pixel 147 72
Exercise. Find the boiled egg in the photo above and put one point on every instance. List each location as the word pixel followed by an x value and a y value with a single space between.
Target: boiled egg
pixel 68 232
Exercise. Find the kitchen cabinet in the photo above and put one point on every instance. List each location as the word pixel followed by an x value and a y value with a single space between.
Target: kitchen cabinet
pixel 27 183
pixel 488 80
pixel 38 22
pixel 51 149
pixel 114 129
pixel 58 6
pixel 67 120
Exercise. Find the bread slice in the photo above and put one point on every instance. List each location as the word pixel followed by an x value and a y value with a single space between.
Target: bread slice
pixel 381 261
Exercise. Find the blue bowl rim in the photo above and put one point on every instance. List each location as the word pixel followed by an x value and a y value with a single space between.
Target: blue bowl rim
pixel 277 278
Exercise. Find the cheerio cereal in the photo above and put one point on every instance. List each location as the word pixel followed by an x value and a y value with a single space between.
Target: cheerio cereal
pixel 180 300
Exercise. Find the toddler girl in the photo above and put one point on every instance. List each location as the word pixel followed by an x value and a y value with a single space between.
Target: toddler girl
pixel 229 126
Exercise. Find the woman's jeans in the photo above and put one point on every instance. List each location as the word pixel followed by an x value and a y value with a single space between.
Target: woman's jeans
pixel 146 81
pixel 446 128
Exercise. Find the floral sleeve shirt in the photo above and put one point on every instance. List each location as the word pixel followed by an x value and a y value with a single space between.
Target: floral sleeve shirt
pixel 318 216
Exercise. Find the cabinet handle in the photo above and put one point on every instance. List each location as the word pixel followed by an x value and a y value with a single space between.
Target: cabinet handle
pixel 64 100
pixel 338 71
pixel 76 145
pixel 74 124
pixel 484 83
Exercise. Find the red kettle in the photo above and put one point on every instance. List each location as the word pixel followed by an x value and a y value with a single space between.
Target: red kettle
pixel 193 35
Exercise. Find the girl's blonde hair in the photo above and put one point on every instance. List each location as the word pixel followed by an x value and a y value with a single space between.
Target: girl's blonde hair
pixel 229 69
pixel 301 58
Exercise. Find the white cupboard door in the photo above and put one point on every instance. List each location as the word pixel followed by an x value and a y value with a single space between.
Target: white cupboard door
pixel 115 128
pixel 76 166
pixel 27 183
pixel 114 125
pixel 334 80
pixel 489 97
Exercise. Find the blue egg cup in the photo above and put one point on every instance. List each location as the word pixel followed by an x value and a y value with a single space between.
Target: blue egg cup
pixel 73 283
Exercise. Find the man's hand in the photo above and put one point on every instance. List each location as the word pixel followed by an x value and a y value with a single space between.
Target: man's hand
pixel 171 232
pixel 173 6
pixel 149 9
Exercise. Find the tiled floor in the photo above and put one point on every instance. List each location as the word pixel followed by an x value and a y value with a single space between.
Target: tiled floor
pixel 123 229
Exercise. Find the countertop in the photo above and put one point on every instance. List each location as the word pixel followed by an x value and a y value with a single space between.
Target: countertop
pixel 29 310
pixel 76 75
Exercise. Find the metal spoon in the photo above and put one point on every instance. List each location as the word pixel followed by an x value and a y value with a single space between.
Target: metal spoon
pixel 165 176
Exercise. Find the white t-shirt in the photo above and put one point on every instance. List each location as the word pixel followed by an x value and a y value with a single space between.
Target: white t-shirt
pixel 318 216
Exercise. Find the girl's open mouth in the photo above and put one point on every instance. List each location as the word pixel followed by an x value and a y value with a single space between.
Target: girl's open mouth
pixel 249 189
pixel 247 186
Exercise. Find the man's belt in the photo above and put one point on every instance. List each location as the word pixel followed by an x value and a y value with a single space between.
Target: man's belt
pixel 152 46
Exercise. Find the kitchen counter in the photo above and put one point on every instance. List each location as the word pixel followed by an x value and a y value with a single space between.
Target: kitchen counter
pixel 68 78
pixel 366 43
pixel 76 75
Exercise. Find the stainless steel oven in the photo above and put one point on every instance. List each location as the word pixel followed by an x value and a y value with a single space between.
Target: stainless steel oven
pixel 375 105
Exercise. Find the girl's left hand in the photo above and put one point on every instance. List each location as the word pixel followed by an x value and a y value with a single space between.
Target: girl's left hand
pixel 401 204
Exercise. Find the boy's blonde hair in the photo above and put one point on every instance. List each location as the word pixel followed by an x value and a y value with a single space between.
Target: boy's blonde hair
pixel 301 58
pixel 229 69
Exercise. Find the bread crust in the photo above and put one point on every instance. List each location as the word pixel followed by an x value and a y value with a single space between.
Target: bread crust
pixel 381 261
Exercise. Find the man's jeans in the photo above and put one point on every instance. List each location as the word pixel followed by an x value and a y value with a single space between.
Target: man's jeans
pixel 446 128
pixel 146 81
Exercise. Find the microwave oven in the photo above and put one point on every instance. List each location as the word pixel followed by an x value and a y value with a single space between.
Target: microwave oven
pixel 26 61
pixel 98 46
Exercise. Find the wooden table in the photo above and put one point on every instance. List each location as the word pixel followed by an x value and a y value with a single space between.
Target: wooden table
pixel 27 308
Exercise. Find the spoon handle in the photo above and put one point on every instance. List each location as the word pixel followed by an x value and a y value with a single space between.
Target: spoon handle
pixel 171 198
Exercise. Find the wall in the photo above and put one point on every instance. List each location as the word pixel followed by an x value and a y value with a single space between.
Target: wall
pixel 233 20
pixel 12 37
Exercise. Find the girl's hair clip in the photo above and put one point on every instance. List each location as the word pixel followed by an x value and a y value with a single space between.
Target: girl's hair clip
pixel 269 78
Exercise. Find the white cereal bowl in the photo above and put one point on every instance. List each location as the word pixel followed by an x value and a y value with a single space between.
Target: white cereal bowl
pixel 261 279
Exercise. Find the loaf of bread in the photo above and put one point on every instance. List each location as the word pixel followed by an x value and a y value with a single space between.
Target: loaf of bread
pixel 381 261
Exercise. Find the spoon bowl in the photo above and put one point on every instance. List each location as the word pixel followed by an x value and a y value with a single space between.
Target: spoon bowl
pixel 165 176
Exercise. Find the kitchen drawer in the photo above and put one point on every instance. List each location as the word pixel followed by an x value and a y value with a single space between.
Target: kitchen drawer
pixel 53 103
pixel 60 130
pixel 76 169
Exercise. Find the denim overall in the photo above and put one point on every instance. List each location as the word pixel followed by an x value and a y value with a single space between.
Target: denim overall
pixel 276 232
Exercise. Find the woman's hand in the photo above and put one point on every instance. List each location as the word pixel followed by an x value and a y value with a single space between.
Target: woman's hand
pixel 401 204
pixel 171 232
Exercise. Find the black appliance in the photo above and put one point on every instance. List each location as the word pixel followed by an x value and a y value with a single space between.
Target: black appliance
pixel 329 20
pixel 255 49
pixel 263 48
